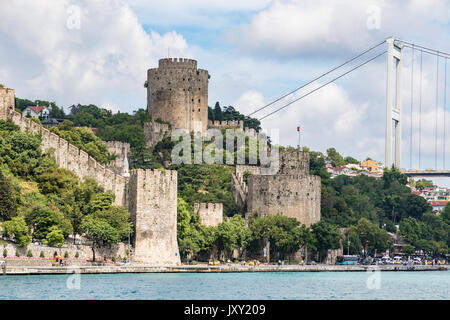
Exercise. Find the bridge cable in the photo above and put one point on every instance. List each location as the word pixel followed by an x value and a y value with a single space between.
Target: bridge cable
pixel 437 111
pixel 307 94
pixel 412 99
pixel 420 106
pixel 317 78
pixel 425 49
pixel 445 107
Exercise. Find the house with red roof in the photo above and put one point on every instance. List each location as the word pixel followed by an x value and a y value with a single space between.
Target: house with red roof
pixel 40 112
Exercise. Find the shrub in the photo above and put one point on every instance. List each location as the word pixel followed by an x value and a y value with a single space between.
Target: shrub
pixel 42 254
pixel 29 253
pixel 104 257
pixel 5 253
pixel 77 254
pixel 17 253
pixel 66 254
pixel 113 259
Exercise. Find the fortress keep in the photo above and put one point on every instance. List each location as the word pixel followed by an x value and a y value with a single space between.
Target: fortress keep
pixel 177 92
pixel 292 192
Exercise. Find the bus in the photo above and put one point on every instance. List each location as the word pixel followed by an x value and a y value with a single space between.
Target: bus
pixel 347 259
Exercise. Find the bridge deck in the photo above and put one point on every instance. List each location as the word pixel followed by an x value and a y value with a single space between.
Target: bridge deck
pixel 426 173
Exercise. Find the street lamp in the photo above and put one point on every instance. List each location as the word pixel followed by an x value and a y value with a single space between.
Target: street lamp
pixel 348 246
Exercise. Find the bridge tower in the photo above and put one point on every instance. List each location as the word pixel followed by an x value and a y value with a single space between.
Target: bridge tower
pixel 393 102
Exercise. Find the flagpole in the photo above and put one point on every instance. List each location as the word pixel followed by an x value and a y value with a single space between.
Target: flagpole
pixel 298 130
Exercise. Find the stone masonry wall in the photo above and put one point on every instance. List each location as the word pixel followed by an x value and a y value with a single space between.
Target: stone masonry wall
pixel 211 214
pixel 296 196
pixel 293 161
pixel 67 156
pixel 155 132
pixel 225 124
pixel 152 202
pixel 177 92
pixel 84 251
pixel 122 151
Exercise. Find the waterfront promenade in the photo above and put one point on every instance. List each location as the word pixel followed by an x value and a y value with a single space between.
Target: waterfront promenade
pixel 140 268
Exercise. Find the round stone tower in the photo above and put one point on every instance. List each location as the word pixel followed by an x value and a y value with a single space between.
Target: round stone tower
pixel 177 92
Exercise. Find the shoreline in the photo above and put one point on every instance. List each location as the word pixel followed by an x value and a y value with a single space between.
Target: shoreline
pixel 140 268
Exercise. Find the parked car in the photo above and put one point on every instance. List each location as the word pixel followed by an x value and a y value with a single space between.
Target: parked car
pixel 397 260
pixel 387 260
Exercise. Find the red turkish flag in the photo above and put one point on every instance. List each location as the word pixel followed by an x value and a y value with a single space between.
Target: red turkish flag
pixel 298 128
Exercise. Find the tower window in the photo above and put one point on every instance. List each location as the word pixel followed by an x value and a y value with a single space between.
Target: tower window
pixel 198 109
pixel 198 100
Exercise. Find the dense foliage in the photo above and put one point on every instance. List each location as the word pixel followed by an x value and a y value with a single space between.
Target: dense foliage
pixel 43 202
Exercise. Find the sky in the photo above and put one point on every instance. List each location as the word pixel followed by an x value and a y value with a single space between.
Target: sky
pixel 98 52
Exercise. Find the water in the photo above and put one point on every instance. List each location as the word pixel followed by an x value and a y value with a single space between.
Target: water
pixel 231 286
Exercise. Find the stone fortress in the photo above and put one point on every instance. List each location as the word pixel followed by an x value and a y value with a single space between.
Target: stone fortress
pixel 177 96
pixel 177 92
pixel 149 195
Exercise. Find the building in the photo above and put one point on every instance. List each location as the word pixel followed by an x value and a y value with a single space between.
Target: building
pixel 372 166
pixel 40 112
pixel 436 197
pixel 351 170
pixel 177 93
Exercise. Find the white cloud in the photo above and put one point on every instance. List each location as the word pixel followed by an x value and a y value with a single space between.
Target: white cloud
pixel 249 101
pixel 200 13
pixel 106 59
pixel 320 27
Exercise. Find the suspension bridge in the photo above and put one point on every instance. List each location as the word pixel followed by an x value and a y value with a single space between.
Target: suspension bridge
pixel 394 113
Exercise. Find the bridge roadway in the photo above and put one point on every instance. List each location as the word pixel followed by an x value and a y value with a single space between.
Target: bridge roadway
pixel 425 173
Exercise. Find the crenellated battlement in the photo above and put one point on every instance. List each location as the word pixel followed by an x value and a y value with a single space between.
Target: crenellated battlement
pixel 211 214
pixel 154 174
pixel 6 102
pixel 177 63
pixel 177 92
pixel 226 124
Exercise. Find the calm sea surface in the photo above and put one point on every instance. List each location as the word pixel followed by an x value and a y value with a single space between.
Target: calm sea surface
pixel 227 286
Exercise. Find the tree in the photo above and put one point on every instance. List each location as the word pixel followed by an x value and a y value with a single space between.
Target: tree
pixel 423 183
pixel 232 235
pixel 8 199
pixel 282 232
pixel 100 232
pixel 370 235
pixel 17 229
pixel 336 159
pixel 55 237
pixel 393 174
pixel 411 231
pixel 57 180
pixel 327 237
pixel 217 112
pixel 409 250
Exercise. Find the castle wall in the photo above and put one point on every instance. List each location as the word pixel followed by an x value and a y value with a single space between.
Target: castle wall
pixel 152 202
pixel 293 161
pixel 211 214
pixel 296 196
pixel 67 156
pixel 155 132
pixel 225 124
pixel 121 150
pixel 177 92
pixel 6 102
